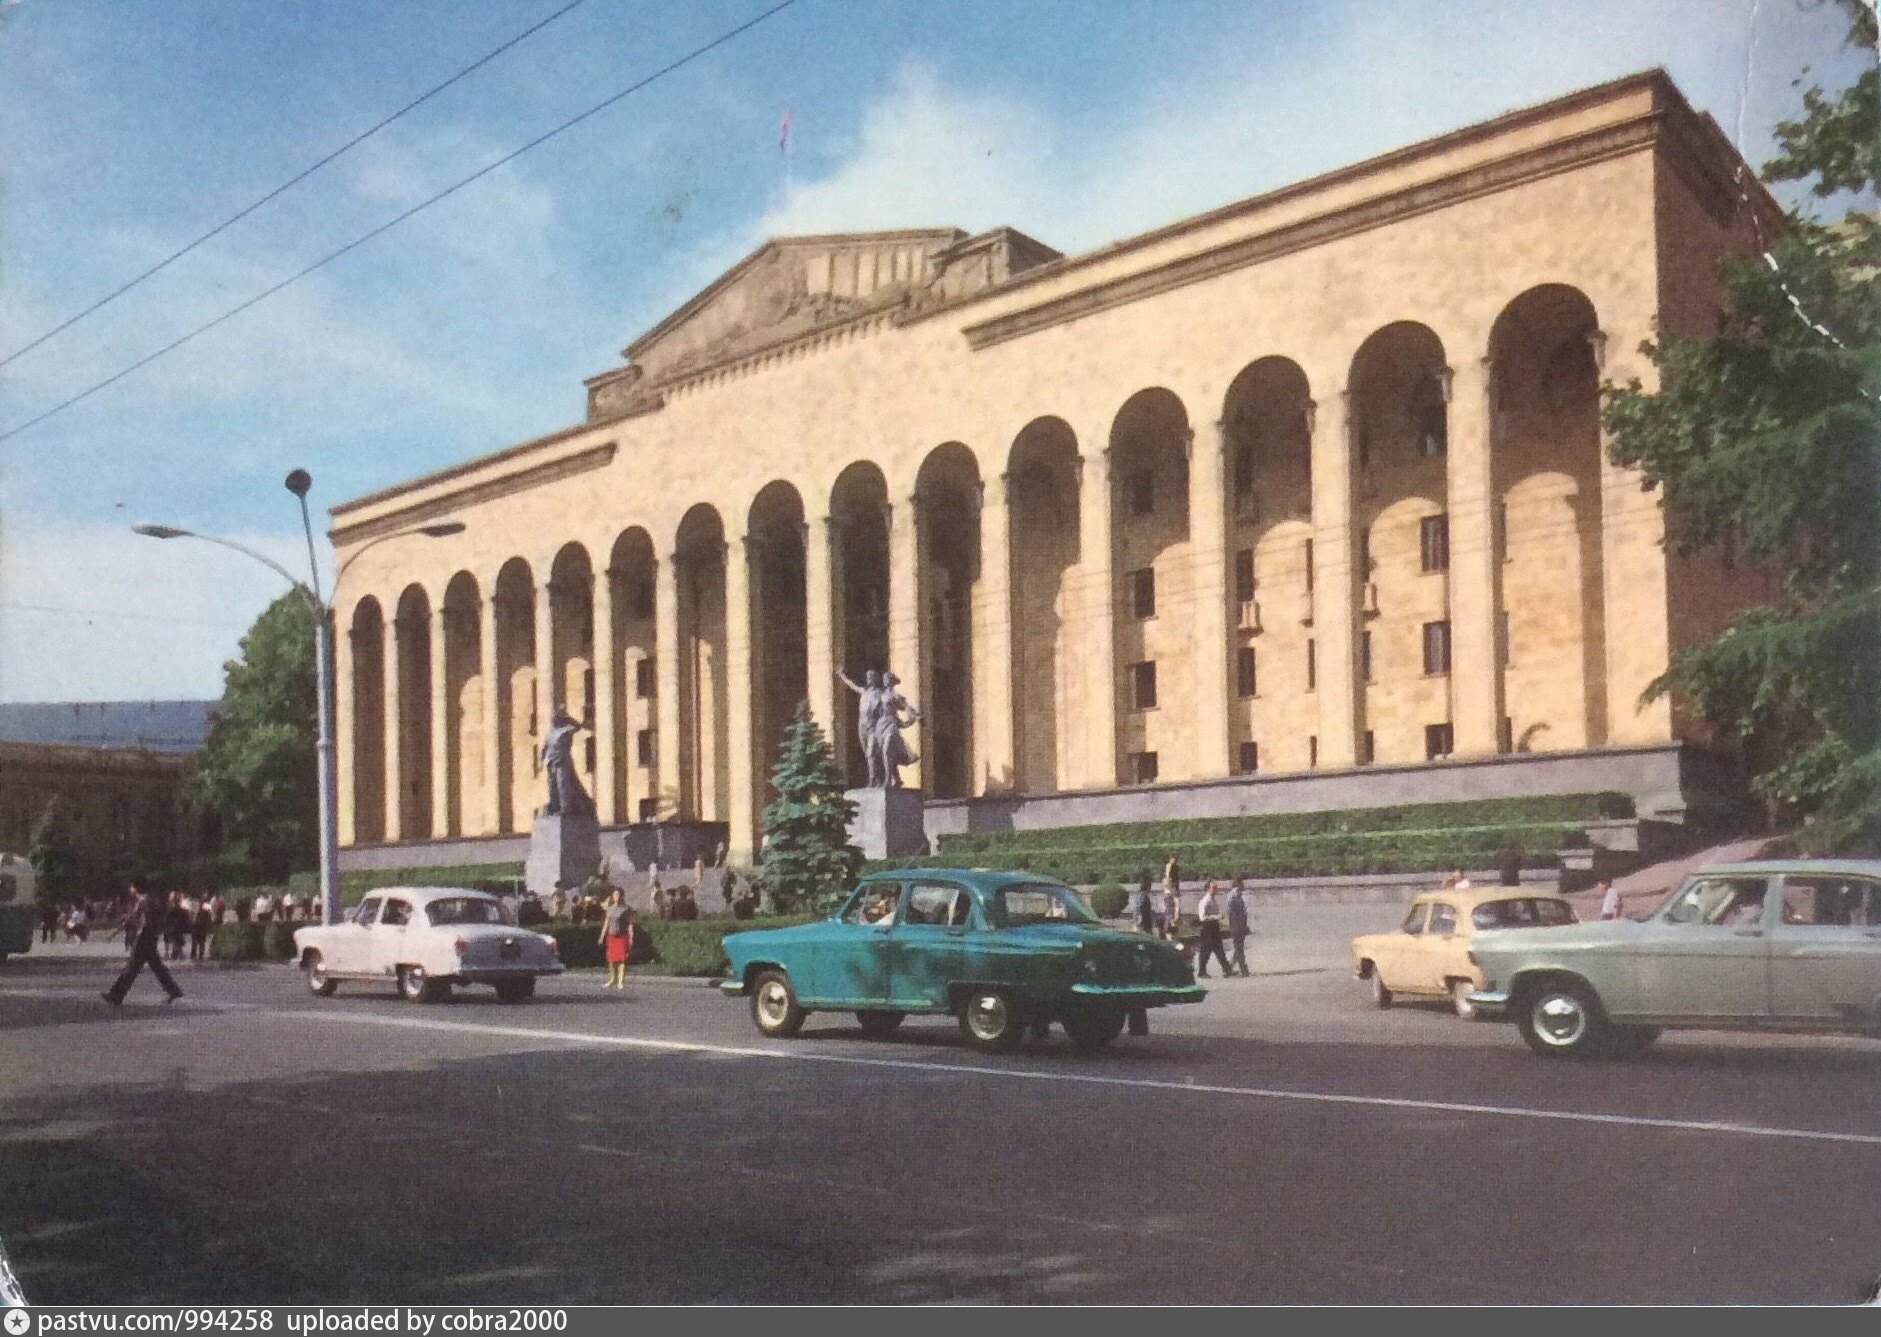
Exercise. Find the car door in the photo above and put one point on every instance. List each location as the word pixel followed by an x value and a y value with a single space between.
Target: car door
pixel 389 948
pixel 1433 958
pixel 1707 952
pixel 1825 949
pixel 851 962
pixel 348 944
pixel 1393 961
pixel 928 948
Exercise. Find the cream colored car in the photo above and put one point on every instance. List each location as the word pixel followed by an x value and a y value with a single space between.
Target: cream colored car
pixel 1428 954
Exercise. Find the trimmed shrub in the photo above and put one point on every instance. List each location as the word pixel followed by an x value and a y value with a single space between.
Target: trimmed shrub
pixel 243 941
pixel 1109 901
pixel 492 877
pixel 665 946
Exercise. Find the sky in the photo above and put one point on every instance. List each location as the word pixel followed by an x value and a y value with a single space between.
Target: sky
pixel 129 127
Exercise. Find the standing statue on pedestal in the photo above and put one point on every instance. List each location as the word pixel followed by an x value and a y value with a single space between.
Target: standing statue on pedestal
pixel 879 724
pixel 566 796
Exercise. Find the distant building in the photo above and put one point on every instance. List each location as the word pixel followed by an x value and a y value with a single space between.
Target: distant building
pixel 118 767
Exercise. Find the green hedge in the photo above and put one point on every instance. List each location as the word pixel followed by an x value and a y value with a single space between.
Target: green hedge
pixel 253 942
pixel 497 877
pixel 1109 901
pixel 1180 834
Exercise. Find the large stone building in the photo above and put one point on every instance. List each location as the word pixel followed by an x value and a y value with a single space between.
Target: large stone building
pixel 1299 503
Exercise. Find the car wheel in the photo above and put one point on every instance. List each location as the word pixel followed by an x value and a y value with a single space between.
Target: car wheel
pixel 419 987
pixel 1460 991
pixel 992 1021
pixel 319 982
pixel 515 991
pixel 1627 1041
pixel 1563 1021
pixel 879 1025
pixel 1381 996
pixel 1093 1027
pixel 774 1005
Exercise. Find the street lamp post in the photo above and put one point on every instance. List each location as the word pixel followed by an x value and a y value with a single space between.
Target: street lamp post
pixel 299 482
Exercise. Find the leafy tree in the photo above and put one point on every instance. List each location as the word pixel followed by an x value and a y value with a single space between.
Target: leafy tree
pixel 55 862
pixel 255 771
pixel 1763 434
pixel 808 860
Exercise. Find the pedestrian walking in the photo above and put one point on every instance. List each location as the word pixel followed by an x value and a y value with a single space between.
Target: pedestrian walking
pixel 218 910
pixel 1610 899
pixel 728 888
pixel 617 938
pixel 1208 919
pixel 1172 913
pixel 1145 907
pixel 48 922
pixel 1510 866
pixel 263 910
pixel 150 919
pixel 77 923
pixel 201 922
pixel 1238 929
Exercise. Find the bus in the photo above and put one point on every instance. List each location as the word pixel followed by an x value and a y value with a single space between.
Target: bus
pixel 19 910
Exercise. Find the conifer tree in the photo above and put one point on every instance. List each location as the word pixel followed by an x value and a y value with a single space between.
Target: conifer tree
pixel 55 863
pixel 808 860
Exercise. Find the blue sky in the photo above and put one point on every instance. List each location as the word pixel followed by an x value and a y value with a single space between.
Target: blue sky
pixel 129 126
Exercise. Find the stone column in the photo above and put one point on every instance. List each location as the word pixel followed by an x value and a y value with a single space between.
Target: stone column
pixel 1336 585
pixel 996 762
pixel 345 757
pixel 548 672
pixel 741 712
pixel 394 725
pixel 493 740
pixel 440 724
pixel 905 657
pixel 1208 546
pixel 1476 698
pixel 1634 571
pixel 819 616
pixel 1097 636
pixel 607 741
pixel 666 664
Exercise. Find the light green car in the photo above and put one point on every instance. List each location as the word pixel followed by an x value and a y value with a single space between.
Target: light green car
pixel 1792 945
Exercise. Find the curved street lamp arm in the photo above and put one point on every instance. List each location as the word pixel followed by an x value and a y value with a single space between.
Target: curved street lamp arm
pixel 313 600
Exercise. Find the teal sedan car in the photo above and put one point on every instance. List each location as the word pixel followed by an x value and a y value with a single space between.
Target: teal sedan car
pixel 1006 953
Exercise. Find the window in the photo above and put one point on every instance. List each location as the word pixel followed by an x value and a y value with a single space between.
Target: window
pixel 1038 902
pixel 1365 656
pixel 643 747
pixel 1439 741
pixel 588 747
pixel 1244 671
pixel 1143 768
pixel 1309 566
pixel 1414 920
pixel 1432 431
pixel 1142 490
pixel 1521 912
pixel 1433 542
pixel 1436 647
pixel 1502 531
pixel 1244 505
pixel 874 905
pixel 1143 592
pixel 1833 902
pixel 1364 553
pixel 587 695
pixel 397 914
pixel 1505 735
pixel 1717 901
pixel 649 809
pixel 1502 639
pixel 1312 750
pixel 1312 664
pixel 1364 446
pixel 1244 575
pixel 1250 758
pixel 1143 685
pixel 640 600
pixel 368 912
pixel 645 679
pixel 1442 920
pixel 1368 749
pixel 937 903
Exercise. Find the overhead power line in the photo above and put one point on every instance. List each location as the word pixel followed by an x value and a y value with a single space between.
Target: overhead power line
pixel 262 296
pixel 285 186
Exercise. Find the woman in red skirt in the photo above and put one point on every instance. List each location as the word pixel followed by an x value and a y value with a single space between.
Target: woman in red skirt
pixel 617 938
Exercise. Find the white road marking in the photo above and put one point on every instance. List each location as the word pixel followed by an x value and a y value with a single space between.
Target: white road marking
pixel 1086 1079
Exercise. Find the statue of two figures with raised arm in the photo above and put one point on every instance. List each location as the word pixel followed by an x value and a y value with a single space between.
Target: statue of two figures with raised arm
pixel 566 796
pixel 879 725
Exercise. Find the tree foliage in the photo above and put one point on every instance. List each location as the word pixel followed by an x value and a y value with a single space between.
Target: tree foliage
pixel 808 860
pixel 55 862
pixel 256 770
pixel 1763 436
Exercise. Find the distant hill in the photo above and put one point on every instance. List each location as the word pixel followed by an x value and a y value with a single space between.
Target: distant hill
pixel 157 726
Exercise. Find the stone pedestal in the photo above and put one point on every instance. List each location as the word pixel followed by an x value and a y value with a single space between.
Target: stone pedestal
pixel 889 824
pixel 563 848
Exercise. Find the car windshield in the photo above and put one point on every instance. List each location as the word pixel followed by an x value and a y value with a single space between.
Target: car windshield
pixel 465 910
pixel 1039 903
pixel 1521 912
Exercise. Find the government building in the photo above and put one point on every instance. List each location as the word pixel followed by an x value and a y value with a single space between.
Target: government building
pixel 1302 503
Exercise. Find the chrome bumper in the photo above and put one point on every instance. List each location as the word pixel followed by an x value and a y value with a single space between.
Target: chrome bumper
pixel 1491 1000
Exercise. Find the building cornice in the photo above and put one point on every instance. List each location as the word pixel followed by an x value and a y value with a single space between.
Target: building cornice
pixel 443 503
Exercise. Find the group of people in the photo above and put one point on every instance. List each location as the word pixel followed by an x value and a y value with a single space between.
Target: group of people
pixel 1220 920
pixel 288 908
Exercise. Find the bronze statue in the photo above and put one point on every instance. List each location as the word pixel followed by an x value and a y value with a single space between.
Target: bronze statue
pixel 566 796
pixel 879 724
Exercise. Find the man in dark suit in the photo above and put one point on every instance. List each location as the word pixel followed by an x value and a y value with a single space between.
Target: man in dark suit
pixel 150 914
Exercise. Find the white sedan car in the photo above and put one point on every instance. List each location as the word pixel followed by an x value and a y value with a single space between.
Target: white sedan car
pixel 425 939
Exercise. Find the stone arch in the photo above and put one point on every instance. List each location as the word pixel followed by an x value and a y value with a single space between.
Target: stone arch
pixel 517 727
pixel 859 571
pixel 412 642
pixel 570 660
pixel 1546 460
pixel 633 574
pixel 367 641
pixel 947 494
pixel 1042 473
pixel 780 652
pixel 463 704
pixel 1398 391
pixel 704 742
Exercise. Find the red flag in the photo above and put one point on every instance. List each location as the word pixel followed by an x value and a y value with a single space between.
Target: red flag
pixel 783 133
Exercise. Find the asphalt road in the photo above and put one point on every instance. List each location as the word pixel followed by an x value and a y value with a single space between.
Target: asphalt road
pixel 1281 1143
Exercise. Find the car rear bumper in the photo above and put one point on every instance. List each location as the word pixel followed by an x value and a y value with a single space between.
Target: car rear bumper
pixel 1490 1000
pixel 1141 995
pixel 496 974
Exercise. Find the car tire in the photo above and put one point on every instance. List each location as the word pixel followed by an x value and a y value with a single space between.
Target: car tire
pixel 1626 1041
pixel 1460 991
pixel 990 1020
pixel 1381 996
pixel 515 991
pixel 419 987
pixel 879 1024
pixel 1091 1028
pixel 319 983
pixel 774 1007
pixel 1563 1021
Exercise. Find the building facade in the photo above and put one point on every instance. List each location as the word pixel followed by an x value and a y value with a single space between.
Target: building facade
pixel 1312 485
